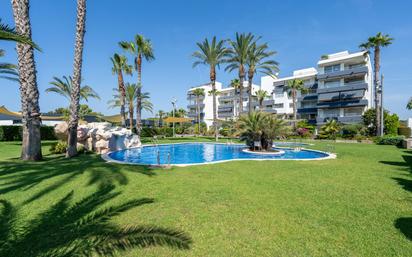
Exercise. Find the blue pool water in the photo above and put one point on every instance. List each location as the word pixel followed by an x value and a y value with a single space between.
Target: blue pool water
pixel 197 153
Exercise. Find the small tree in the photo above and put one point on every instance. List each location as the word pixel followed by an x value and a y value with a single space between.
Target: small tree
pixel 330 129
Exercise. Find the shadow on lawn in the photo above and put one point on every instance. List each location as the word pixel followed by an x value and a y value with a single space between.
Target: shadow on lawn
pixel 19 175
pixel 80 229
pixel 404 224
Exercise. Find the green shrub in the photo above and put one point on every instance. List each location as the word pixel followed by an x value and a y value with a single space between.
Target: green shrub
pixel 11 133
pixel 404 131
pixel 58 148
pixel 389 140
pixel 165 131
pixel 14 133
pixel 350 131
pixel 148 132
pixel 47 133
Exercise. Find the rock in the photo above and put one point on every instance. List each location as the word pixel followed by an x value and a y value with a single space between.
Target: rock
pixel 60 130
pixel 101 137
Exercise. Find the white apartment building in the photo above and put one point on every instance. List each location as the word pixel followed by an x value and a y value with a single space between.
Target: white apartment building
pixel 339 88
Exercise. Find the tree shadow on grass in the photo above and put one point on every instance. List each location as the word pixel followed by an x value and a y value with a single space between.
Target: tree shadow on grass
pixel 81 229
pixel 19 175
pixel 405 226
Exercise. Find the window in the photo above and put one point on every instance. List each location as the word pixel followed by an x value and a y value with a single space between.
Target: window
pixel 328 97
pixel 355 80
pixel 331 83
pixel 357 111
pixel 331 112
pixel 278 105
pixel 332 68
pixel 353 66
pixel 351 94
pixel 308 104
pixel 279 94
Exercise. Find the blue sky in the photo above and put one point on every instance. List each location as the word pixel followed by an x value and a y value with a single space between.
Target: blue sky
pixel 300 31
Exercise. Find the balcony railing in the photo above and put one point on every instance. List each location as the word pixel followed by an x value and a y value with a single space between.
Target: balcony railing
pixel 345 87
pixel 344 73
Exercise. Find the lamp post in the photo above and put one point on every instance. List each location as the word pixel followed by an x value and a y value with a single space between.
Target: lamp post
pixel 174 100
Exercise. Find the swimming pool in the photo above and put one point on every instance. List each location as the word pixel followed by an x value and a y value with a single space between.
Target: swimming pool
pixel 183 154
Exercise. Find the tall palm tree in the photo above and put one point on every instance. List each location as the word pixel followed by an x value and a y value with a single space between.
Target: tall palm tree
pixel 140 48
pixel 8 33
pixel 8 70
pixel 119 66
pixel 31 145
pixel 77 72
pixel 237 57
pixel 409 104
pixel 198 92
pixel 261 95
pixel 131 90
pixel 235 83
pixel 161 114
pixel 376 43
pixel 293 87
pixel 212 54
pixel 257 62
pixel 64 87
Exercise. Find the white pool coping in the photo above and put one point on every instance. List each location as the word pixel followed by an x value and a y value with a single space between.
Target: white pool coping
pixel 107 158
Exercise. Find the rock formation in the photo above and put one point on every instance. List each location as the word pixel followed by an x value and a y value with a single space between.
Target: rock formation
pixel 100 137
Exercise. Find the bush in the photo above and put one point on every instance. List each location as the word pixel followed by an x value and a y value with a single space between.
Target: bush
pixel 165 131
pixel 389 140
pixel 14 133
pixel 11 133
pixel 58 148
pixel 148 132
pixel 351 131
pixel 47 133
pixel 404 131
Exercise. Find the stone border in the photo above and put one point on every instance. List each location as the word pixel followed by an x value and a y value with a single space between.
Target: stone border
pixel 110 160
pixel 278 152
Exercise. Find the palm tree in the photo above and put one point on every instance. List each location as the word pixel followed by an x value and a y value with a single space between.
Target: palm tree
pixel 212 54
pixel 292 88
pixel 261 95
pixel 161 114
pixel 9 70
pixel 235 83
pixel 260 127
pixel 140 48
pixel 131 90
pixel 119 66
pixel 198 92
pixel 330 129
pixel 8 33
pixel 77 72
pixel 257 62
pixel 237 57
pixel 64 87
pixel 31 145
pixel 409 105
pixel 376 42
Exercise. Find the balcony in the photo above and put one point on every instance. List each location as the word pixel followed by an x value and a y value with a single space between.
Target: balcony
pixel 225 114
pixel 191 97
pixel 346 87
pixel 229 105
pixel 339 104
pixel 344 73
pixel 194 106
pixel 194 114
pixel 308 97
pixel 344 119
pixel 269 110
pixel 307 110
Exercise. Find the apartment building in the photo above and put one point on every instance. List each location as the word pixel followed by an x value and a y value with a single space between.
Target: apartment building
pixel 339 88
pixel 345 88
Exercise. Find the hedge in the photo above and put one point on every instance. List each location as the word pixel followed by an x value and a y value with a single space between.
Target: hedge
pixel 14 133
pixel 404 131
pixel 389 140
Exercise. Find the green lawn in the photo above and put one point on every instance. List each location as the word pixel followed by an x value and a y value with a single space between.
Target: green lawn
pixel 357 205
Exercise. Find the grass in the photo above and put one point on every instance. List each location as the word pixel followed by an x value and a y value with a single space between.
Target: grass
pixel 357 205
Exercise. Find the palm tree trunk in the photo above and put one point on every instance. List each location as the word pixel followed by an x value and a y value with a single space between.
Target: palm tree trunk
pixel 250 77
pixel 213 80
pixel 31 145
pixel 294 107
pixel 122 98
pixel 77 69
pixel 131 111
pixel 241 79
pixel 198 115
pixel 377 94
pixel 139 95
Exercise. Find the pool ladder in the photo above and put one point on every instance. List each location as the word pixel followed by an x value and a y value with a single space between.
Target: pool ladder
pixel 156 144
